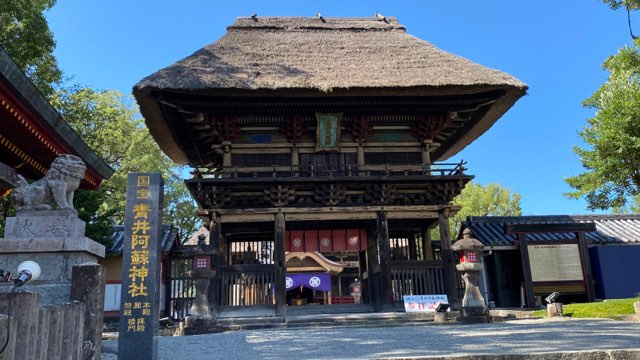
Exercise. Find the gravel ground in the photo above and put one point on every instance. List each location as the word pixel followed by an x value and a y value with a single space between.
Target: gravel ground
pixel 510 337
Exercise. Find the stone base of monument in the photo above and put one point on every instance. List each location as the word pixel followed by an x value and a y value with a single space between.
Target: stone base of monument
pixel 195 325
pixel 554 309
pixel 53 239
pixel 474 315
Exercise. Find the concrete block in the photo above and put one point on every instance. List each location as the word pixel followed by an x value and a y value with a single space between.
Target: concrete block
pixel 68 331
pixel 24 306
pixel 51 245
pixel 54 343
pixel 57 270
pixel 44 324
pixel 39 224
pixel 636 307
pixel 8 353
pixel 87 286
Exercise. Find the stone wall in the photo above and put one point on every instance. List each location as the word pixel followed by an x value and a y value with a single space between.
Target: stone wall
pixel 69 330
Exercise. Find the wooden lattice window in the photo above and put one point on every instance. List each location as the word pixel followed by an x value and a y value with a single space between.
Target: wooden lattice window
pixel 393 158
pixel 260 160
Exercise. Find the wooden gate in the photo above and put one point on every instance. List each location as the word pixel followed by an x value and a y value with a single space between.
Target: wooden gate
pixel 417 277
pixel 180 290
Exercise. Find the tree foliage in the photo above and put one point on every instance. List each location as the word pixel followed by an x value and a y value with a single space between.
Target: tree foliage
pixel 106 120
pixel 109 123
pixel 25 35
pixel 479 200
pixel 612 155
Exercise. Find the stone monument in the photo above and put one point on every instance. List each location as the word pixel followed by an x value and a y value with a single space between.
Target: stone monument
pixel 473 306
pixel 47 230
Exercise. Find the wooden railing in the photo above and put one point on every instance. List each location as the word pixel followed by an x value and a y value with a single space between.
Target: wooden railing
pixel 417 277
pixel 436 169
pixel 247 285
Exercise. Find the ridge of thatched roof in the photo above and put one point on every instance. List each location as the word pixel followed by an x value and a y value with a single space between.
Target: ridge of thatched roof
pixel 290 56
pixel 306 53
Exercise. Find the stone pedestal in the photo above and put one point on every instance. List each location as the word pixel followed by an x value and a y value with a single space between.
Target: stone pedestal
pixel 554 309
pixel 201 279
pixel 55 240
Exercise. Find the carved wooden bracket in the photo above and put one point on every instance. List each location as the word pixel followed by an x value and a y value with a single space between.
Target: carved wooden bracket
pixel 279 195
pixel 215 197
pixel 429 126
pixel 224 126
pixel 330 195
pixel 294 129
pixel 382 194
pixel 360 129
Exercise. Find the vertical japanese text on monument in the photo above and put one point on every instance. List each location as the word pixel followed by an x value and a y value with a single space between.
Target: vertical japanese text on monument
pixel 138 312
pixel 141 267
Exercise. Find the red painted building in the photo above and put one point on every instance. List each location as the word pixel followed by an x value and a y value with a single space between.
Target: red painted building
pixel 33 134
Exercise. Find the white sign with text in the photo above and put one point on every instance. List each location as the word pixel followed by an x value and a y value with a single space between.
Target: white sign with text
pixel 423 303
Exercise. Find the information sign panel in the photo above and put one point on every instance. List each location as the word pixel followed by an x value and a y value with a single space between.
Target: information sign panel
pixel 555 262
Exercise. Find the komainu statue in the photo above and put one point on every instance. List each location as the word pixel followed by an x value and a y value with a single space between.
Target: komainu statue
pixel 55 188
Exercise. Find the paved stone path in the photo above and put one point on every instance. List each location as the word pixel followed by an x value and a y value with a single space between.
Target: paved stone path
pixel 510 337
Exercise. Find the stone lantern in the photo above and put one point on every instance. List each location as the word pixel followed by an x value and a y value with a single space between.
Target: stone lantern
pixel 473 306
pixel 201 275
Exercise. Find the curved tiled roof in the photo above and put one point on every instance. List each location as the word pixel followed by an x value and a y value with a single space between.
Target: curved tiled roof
pixel 611 229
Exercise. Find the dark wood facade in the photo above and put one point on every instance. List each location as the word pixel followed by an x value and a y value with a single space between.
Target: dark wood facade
pixel 278 167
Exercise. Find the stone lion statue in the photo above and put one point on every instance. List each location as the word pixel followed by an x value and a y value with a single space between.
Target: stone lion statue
pixel 54 189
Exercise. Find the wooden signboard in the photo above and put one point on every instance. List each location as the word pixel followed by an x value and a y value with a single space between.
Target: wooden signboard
pixel 555 262
pixel 550 266
pixel 328 132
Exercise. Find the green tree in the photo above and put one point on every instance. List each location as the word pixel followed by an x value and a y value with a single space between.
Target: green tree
pixel 109 123
pixel 612 155
pixel 478 200
pixel 25 35
pixel 106 120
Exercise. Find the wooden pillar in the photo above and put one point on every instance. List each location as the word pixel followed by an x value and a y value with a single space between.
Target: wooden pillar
pixel 295 156
pixel 226 155
pixel 413 242
pixel 427 246
pixel 279 260
pixel 373 270
pixel 215 235
pixel 586 266
pixel 360 154
pixel 426 152
pixel 526 270
pixel 386 290
pixel 448 260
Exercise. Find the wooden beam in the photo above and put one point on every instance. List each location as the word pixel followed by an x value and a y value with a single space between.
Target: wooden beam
pixel 427 246
pixel 586 266
pixel 386 290
pixel 215 230
pixel 526 270
pixel 448 260
pixel 279 259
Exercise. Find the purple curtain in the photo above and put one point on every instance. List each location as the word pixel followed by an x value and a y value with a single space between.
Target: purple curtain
pixel 316 281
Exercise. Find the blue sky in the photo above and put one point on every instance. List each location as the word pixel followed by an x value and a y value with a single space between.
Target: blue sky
pixel 555 47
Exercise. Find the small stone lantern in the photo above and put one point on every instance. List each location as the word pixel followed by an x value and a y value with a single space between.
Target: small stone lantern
pixel 473 306
pixel 201 274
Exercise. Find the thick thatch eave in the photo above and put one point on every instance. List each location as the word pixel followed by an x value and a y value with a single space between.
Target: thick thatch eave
pixel 334 57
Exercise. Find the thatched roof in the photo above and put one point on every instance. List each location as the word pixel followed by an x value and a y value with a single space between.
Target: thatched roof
pixel 334 57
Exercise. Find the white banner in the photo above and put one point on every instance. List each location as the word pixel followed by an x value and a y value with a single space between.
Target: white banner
pixel 423 303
